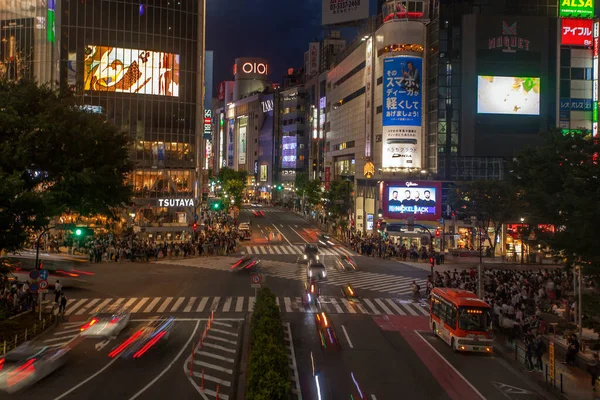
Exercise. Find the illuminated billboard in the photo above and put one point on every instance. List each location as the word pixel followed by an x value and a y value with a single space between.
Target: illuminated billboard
pixel 577 8
pixel 508 95
pixel 114 69
pixel 288 152
pixel 576 32
pixel 420 200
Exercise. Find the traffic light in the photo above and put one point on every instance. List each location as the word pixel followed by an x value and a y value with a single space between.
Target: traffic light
pixel 216 206
pixel 279 187
pixel 437 233
pixel 431 262
pixel 195 226
pixel 82 232
pixel 78 232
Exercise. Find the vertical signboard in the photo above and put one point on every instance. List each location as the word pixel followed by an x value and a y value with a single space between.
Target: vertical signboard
pixel 230 143
pixel 315 123
pixel 207 125
pixel 242 146
pixel 50 25
pixel 313 59
pixel 402 112
pixel 368 96
pixel 551 357
pixel 595 41
pixel 222 162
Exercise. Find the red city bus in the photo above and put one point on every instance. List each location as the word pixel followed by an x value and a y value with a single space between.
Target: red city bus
pixel 461 320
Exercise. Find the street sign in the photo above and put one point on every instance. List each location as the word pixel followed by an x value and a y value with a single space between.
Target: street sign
pixel 44 274
pixel 34 274
pixel 552 365
pixel 33 288
pixel 441 221
pixel 43 284
pixel 255 279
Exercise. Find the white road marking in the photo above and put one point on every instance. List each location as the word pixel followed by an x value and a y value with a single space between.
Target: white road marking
pixel 80 384
pixel 177 304
pixel 222 323
pixel 62 333
pixel 75 306
pixel 338 309
pixel 348 306
pixel 101 345
pixel 87 307
pixel 220 339
pixel 301 237
pixel 202 304
pixel 165 304
pixel 239 305
pixel 450 365
pixel 60 338
pixel 213 366
pixel 371 306
pixel 152 305
pixel 215 304
pixel 251 303
pixel 395 307
pixel 184 348
pixel 139 305
pixel 130 302
pixel 102 305
pixel 286 239
pixel 288 304
pixel 216 346
pixel 224 332
pixel 383 306
pixel 227 305
pixel 214 394
pixel 215 356
pixel 347 337
pixel 189 305
pixel 216 380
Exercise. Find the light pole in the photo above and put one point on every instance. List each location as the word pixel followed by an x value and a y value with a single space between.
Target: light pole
pixel 37 246
pixel 132 215
pixel 522 236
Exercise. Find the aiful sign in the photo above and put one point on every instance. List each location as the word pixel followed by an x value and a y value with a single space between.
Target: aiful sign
pixel 509 41
pixel 176 203
pixel 576 32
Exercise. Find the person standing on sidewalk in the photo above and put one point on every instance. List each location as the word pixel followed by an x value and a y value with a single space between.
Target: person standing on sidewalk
pixel 594 370
pixel 540 349
pixel 529 354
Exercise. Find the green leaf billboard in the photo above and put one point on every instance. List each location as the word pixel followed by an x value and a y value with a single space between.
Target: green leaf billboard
pixel 577 8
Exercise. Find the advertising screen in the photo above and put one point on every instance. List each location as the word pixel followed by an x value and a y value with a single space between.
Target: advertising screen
pixel 577 8
pixel 288 153
pixel 577 32
pixel 114 69
pixel 421 200
pixel 242 146
pixel 402 91
pixel 508 95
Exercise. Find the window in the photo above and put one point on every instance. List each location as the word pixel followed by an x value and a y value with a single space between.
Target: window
pixel 565 57
pixel 346 99
pixel 350 74
pixel 578 73
pixel 379 109
pixel 473 319
pixel 565 89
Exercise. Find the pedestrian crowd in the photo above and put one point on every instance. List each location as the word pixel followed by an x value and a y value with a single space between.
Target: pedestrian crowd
pixel 15 296
pixel 378 246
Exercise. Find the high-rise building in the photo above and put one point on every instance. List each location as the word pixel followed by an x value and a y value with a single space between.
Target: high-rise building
pixel 145 76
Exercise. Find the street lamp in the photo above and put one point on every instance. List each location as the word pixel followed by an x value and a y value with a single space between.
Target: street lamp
pixel 132 215
pixel 522 236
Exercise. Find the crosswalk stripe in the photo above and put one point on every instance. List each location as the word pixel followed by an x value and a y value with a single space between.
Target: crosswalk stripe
pixel 298 304
pixel 239 305
pixel 215 304
pixel 139 305
pixel 251 304
pixel 189 305
pixel 284 249
pixel 165 304
pixel 276 248
pixel 177 304
pixel 202 304
pixel 87 307
pixel 69 310
pixel 383 306
pixel 277 301
pixel 410 309
pixel 348 306
pixel 263 250
pixel 361 308
pixel 101 305
pixel 288 304
pixel 130 302
pixel 371 306
pixel 395 307
pixel 152 305
pixel 119 301
pixel 336 305
pixel 422 310
pixel 227 305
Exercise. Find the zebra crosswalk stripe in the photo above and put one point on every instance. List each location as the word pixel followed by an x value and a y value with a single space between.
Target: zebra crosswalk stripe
pixel 140 304
pixel 69 310
pixel 177 304
pixel 398 310
pixel 152 305
pixel 165 304
pixel 189 305
pixel 202 304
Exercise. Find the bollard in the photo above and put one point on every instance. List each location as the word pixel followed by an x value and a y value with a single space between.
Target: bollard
pixel 217 392
pixel 202 379
pixel 212 315
pixel 200 342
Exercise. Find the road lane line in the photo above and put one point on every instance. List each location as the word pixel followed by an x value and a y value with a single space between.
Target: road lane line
pixel 220 339
pixel 101 305
pixel 222 323
pixel 189 305
pixel 301 237
pixel 177 304
pixel 371 306
pixel 139 305
pixel 164 305
pixel 80 384
pixel 288 304
pixel 227 305
pixel 202 304
pixel 286 239
pixel 239 304
pixel 221 331
pixel 184 348
pixel 216 346
pixel 75 306
pixel 215 356
pixel 348 306
pixel 383 306
pixel 347 337
pixel 251 303
pixel 87 307
pixel 450 365
pixel 152 305
pixel 395 307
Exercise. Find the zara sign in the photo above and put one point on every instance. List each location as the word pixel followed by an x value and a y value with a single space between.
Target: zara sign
pixel 176 203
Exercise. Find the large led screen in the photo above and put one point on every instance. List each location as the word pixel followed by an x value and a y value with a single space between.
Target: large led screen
pixel 113 69
pixel 289 152
pixel 411 200
pixel 508 95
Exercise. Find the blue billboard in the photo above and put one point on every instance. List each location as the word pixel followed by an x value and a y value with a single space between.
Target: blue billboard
pixel 402 96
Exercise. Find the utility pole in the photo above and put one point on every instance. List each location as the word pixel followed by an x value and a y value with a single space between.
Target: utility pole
pixel 480 266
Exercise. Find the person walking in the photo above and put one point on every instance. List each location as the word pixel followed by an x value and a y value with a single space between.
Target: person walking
pixel 594 370
pixel 57 290
pixel 62 305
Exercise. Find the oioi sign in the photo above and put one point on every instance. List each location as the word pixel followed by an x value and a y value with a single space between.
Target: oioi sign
pixel 577 8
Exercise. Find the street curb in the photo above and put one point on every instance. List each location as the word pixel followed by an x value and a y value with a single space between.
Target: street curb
pixel 539 384
pixel 241 383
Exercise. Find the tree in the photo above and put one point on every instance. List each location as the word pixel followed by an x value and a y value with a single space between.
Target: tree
pixel 339 197
pixel 493 203
pixel 234 183
pixel 309 191
pixel 55 159
pixel 560 181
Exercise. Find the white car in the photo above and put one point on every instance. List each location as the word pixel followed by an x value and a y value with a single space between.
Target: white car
pixel 108 322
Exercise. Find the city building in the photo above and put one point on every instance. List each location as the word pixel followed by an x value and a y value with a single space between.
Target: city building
pixel 145 77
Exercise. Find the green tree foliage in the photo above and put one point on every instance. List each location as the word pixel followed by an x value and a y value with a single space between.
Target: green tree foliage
pixel 269 365
pixel 54 159
pixel 339 197
pixel 234 183
pixel 493 203
pixel 307 190
pixel 561 186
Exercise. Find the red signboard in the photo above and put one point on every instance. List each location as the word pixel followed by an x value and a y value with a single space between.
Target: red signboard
pixel 420 200
pixel 577 32
pixel 221 93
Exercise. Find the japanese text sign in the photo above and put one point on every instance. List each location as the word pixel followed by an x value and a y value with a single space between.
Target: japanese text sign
pixel 402 96
pixel 577 32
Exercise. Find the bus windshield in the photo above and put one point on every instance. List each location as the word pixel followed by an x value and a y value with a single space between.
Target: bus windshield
pixel 473 319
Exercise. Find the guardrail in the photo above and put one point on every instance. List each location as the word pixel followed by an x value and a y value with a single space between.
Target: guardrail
pixel 28 334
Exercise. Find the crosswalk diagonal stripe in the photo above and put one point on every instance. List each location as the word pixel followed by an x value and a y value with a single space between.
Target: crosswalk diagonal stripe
pixel 227 304
pixel 348 306
pixel 152 304
pixel 164 305
pixel 239 305
pixel 371 306
pixel 288 304
pixel 75 306
pixel 284 249
pixel 276 248
pixel 119 301
pixel 202 304
pixel 409 308
pixel 190 304
pixel 398 310
pixel 422 309
pixel 362 309
pixel 383 306
pixel 87 306
pixel 336 305
pixel 251 303
pixel 101 305
pixel 139 305
pixel 177 304
pixel 215 303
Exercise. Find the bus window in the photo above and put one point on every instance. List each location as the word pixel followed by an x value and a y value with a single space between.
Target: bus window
pixel 452 319
pixel 473 319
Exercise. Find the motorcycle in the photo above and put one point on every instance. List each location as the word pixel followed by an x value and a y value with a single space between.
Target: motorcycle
pixel 349 293
pixel 312 292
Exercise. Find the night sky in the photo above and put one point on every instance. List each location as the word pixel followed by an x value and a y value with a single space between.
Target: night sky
pixel 276 30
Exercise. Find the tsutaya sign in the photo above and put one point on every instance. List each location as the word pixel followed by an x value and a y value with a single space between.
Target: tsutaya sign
pixel 176 202
pixel 509 41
